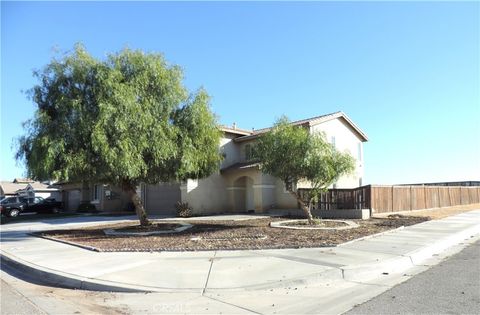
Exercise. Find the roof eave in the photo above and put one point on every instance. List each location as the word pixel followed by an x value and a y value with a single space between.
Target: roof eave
pixel 359 131
pixel 235 131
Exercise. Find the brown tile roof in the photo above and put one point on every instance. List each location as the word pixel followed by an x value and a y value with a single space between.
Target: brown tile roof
pixel 19 180
pixel 42 186
pixel 9 188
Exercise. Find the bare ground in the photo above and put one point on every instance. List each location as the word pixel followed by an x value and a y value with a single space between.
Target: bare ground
pixel 245 234
pixel 437 213
pixel 228 235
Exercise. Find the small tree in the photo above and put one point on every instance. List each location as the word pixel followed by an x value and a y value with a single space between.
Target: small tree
pixel 292 153
pixel 121 121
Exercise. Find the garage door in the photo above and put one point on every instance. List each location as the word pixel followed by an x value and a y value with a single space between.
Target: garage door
pixel 161 198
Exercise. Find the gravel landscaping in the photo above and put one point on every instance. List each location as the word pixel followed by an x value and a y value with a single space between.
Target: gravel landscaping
pixel 225 235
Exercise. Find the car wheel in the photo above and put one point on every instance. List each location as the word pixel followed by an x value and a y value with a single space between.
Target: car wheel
pixel 13 213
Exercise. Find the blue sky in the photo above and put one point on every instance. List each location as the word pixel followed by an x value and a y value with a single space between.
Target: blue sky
pixel 406 73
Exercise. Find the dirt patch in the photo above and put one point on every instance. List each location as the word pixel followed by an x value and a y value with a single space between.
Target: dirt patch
pixel 226 235
pixel 437 213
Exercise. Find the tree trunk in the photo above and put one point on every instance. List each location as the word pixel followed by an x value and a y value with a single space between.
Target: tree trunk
pixel 137 202
pixel 305 208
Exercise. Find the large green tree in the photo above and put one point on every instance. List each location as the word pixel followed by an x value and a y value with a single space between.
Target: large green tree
pixel 124 120
pixel 293 153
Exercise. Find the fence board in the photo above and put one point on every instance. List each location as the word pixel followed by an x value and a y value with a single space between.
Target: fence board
pixel 444 196
pixel 431 197
pixel 401 198
pixel 464 196
pixel 473 195
pixel 455 196
pixel 418 198
pixel 382 199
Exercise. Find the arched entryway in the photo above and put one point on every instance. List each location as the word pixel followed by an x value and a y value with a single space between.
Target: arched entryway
pixel 243 196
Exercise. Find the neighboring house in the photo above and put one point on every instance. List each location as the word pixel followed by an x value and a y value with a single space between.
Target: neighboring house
pixel 30 188
pixel 10 188
pixel 239 186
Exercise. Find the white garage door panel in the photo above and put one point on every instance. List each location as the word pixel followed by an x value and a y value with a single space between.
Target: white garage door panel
pixel 161 198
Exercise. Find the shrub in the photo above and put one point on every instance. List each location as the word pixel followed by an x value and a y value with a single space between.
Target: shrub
pixel 86 207
pixel 183 209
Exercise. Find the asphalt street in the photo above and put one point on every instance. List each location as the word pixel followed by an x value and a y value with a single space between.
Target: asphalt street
pixel 451 287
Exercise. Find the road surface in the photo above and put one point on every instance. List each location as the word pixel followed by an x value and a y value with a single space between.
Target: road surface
pixel 451 287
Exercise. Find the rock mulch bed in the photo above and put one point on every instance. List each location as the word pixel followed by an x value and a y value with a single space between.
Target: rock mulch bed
pixel 225 235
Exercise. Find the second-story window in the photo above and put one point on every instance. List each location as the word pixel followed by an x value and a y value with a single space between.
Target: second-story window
pixel 248 152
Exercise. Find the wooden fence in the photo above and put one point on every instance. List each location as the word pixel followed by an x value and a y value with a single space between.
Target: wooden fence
pixel 396 198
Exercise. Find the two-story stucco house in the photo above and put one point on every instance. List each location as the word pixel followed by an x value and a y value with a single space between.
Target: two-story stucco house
pixel 240 186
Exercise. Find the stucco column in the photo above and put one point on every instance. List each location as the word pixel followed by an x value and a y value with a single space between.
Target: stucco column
pixel 85 194
pixel 264 197
pixel 231 199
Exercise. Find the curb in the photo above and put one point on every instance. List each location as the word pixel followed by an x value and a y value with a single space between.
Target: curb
pixel 414 258
pixel 371 236
pixel 65 280
pixel 420 255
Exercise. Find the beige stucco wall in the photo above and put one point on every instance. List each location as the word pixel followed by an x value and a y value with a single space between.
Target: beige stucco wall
pixel 230 149
pixel 284 200
pixel 345 140
pixel 117 201
pixel 71 196
pixel 208 195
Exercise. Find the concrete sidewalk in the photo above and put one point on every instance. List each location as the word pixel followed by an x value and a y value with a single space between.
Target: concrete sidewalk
pixel 220 271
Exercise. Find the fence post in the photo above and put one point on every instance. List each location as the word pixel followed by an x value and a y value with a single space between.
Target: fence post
pixel 425 197
pixel 371 197
pixel 438 195
pixel 393 198
pixel 449 195
pixel 411 199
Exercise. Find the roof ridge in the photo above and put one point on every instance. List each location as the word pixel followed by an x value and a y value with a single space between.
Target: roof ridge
pixel 301 121
pixel 311 121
